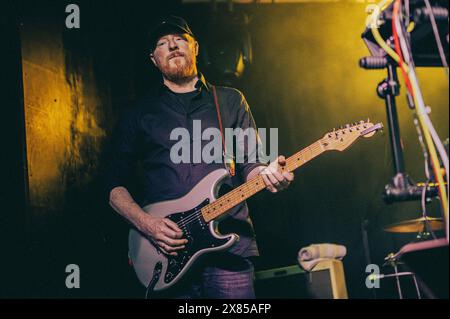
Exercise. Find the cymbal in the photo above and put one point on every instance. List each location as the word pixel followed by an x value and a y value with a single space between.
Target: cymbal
pixel 415 225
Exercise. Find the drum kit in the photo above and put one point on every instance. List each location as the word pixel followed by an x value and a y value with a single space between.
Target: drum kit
pixel 426 240
pixel 424 227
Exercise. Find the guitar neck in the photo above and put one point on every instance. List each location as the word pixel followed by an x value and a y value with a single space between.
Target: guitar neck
pixel 256 184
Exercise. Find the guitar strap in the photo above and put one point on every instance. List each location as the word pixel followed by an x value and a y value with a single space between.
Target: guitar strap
pixel 229 159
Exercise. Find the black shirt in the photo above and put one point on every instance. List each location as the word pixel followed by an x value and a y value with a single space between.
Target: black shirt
pixel 186 98
pixel 143 135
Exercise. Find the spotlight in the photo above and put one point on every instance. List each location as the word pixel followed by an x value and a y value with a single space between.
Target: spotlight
pixel 226 48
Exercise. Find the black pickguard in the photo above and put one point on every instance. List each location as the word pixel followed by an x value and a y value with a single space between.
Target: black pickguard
pixel 199 237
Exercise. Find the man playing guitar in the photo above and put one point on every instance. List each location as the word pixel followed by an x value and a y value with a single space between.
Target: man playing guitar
pixel 143 134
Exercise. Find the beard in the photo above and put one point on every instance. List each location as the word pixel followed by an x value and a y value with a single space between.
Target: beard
pixel 180 69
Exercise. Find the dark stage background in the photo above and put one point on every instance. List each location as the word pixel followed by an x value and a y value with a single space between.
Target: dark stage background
pixel 66 87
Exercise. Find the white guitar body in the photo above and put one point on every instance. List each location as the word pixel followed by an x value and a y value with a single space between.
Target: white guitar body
pixel 150 263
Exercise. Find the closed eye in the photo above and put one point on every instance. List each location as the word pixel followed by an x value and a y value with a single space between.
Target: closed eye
pixel 181 38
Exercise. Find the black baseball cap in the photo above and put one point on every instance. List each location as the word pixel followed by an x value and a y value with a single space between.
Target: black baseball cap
pixel 168 25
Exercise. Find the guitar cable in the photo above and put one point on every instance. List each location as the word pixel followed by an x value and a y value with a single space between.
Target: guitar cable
pixel 437 37
pixel 425 122
pixel 151 285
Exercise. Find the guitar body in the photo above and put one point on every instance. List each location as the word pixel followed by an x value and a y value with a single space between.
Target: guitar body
pixel 160 270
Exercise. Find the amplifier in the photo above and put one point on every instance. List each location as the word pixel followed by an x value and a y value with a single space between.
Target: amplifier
pixel 325 281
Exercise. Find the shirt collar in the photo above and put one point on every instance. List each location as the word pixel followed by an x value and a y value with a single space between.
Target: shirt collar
pixel 201 83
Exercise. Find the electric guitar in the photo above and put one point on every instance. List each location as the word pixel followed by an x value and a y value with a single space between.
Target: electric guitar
pixel 197 213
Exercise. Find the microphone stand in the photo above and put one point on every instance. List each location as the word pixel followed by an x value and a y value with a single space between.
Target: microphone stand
pixel 400 187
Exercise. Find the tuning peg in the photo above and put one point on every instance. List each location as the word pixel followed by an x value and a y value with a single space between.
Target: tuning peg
pixel 365 124
pixel 368 120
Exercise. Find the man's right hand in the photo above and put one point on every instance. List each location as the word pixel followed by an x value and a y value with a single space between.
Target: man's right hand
pixel 163 232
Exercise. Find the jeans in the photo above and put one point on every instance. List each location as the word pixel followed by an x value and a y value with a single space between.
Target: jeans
pixel 216 276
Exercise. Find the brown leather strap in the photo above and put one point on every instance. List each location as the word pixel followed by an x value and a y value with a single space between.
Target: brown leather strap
pixel 230 166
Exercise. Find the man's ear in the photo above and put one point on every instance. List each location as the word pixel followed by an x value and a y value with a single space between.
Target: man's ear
pixel 152 57
pixel 196 48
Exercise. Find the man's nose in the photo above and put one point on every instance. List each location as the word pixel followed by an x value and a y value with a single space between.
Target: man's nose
pixel 172 45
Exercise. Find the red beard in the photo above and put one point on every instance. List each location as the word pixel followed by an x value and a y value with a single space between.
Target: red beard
pixel 178 69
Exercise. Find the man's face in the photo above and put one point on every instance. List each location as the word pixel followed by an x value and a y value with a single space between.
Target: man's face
pixel 175 56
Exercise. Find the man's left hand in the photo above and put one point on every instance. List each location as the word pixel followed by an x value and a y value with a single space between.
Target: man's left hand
pixel 275 180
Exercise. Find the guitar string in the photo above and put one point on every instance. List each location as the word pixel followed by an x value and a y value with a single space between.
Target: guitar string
pixel 302 153
pixel 249 186
pixel 246 187
pixel 193 217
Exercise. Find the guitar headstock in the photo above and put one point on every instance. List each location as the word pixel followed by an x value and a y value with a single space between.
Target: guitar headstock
pixel 343 137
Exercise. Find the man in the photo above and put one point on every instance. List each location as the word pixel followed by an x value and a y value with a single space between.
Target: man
pixel 144 135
